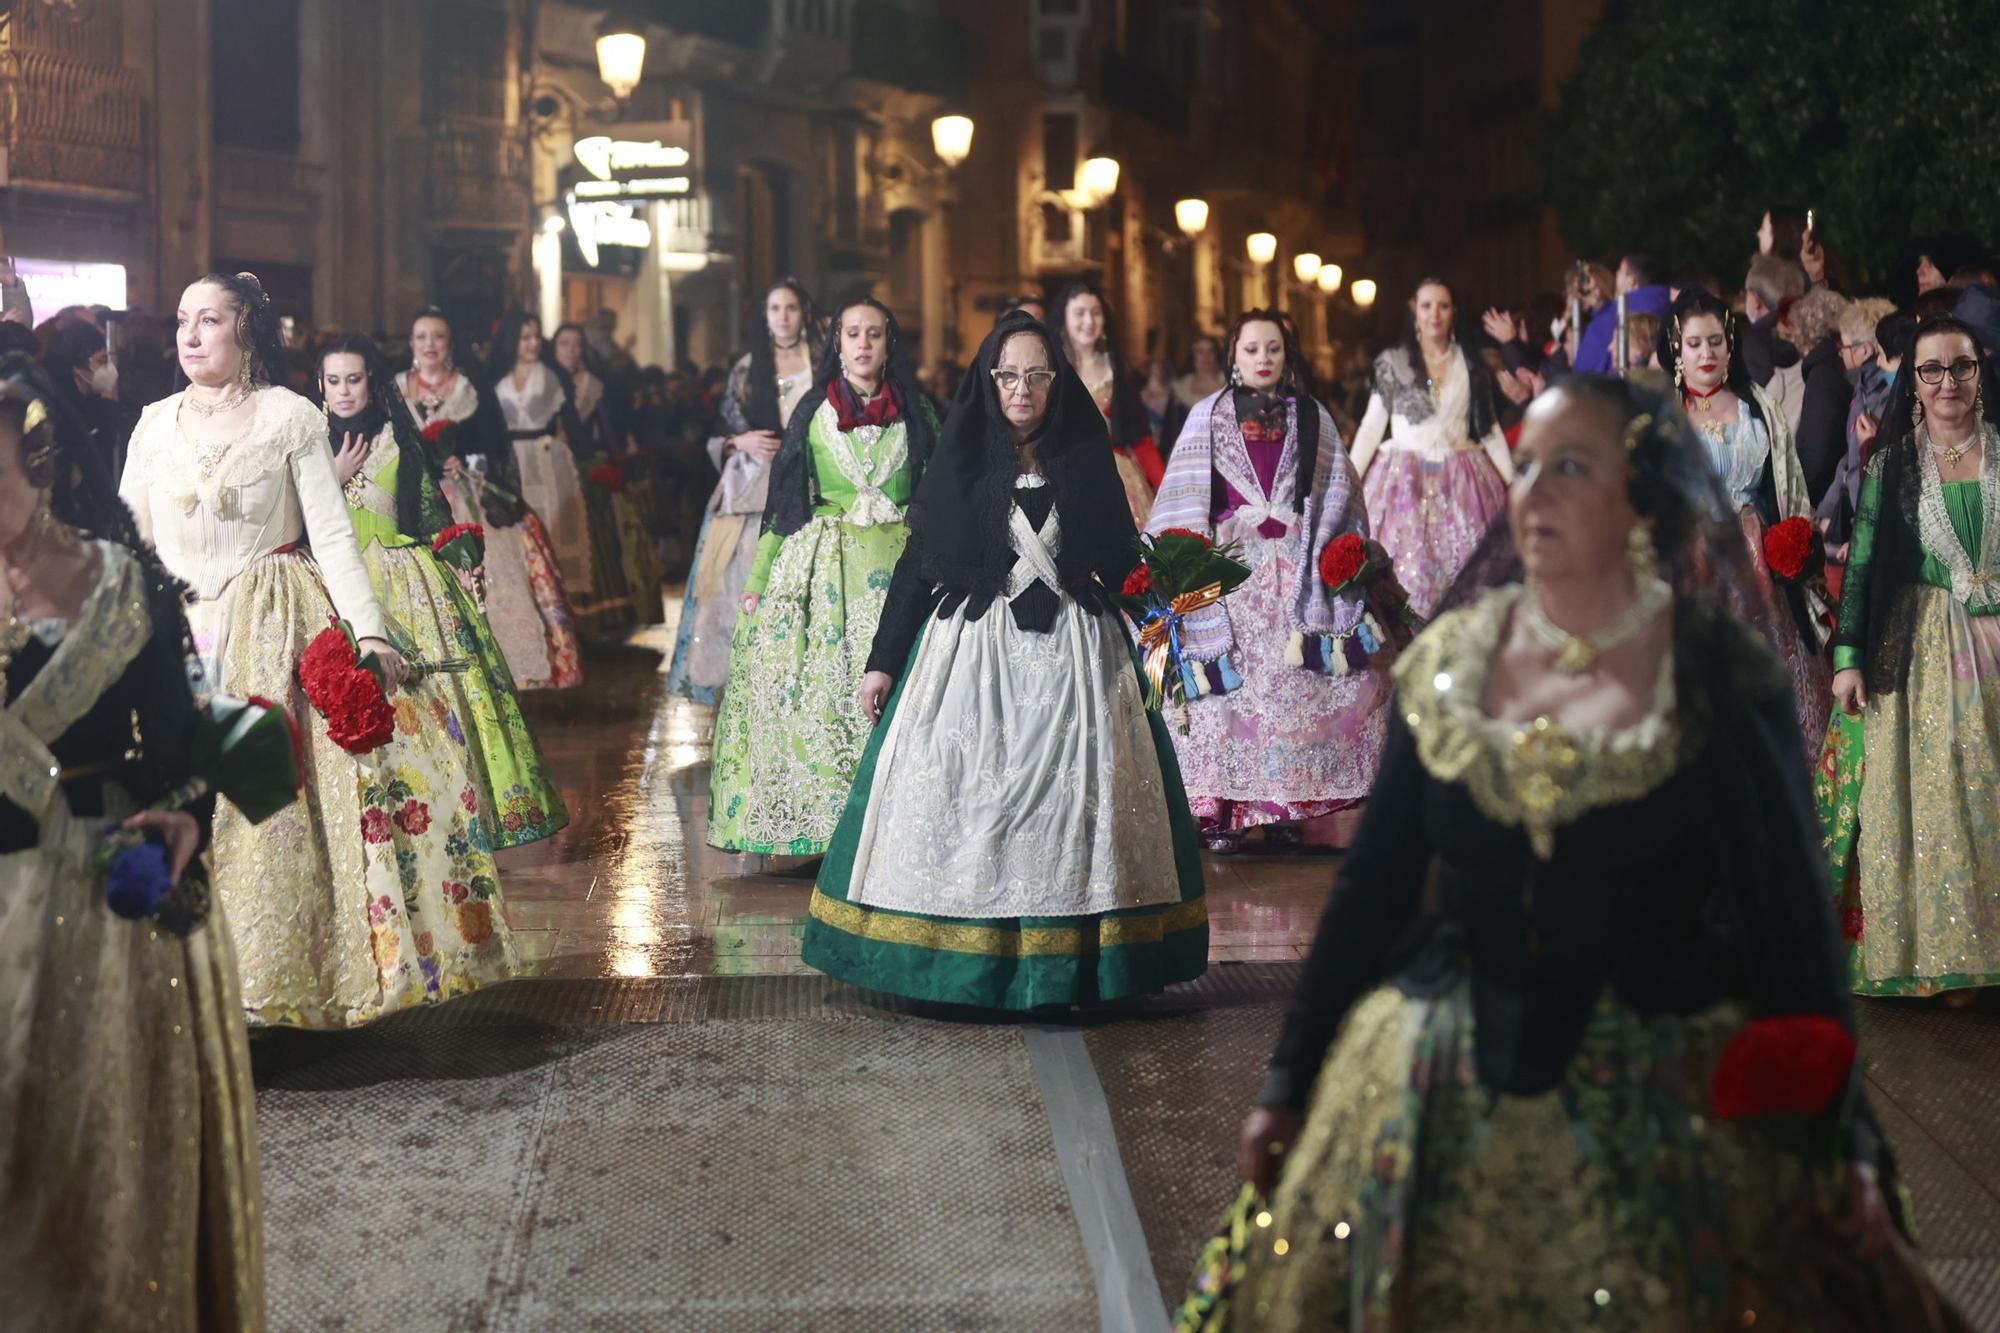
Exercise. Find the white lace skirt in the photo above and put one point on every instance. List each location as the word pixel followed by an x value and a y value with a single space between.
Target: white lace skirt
pixel 1018 777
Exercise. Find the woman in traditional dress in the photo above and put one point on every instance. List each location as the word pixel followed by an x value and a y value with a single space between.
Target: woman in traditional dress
pixel 1587 864
pixel 621 550
pixel 1015 785
pixel 767 385
pixel 1918 658
pixel 1749 445
pixel 1288 729
pixel 397 511
pixel 1441 478
pixel 540 421
pixel 376 890
pixel 129 1194
pixel 466 438
pixel 1092 348
pixel 791 727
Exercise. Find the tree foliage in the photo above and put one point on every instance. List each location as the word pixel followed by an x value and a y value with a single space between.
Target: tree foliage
pixel 1688 118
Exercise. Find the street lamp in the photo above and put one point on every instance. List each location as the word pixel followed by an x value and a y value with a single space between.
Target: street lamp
pixel 1307 267
pixel 1329 278
pixel 1261 246
pixel 1363 292
pixel 621 55
pixel 951 138
pixel 1100 178
pixel 1191 216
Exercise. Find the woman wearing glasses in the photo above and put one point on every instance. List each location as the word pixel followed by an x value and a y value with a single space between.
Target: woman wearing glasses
pixel 1017 836
pixel 1918 658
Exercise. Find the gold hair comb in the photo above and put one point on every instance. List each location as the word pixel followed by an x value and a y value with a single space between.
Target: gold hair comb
pixel 1635 428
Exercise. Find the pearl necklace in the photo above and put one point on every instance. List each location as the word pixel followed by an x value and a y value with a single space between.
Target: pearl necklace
pixel 1949 454
pixel 216 409
pixel 1577 654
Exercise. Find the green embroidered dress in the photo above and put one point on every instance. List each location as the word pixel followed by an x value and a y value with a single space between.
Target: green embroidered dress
pixel 438 620
pixel 790 732
pixel 1913 834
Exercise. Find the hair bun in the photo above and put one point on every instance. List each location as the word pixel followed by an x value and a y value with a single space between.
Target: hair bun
pixel 255 286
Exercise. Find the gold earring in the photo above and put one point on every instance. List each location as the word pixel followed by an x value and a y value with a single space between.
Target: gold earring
pixel 1640 551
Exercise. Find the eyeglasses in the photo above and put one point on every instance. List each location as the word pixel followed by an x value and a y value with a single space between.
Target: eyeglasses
pixel 1963 369
pixel 1038 380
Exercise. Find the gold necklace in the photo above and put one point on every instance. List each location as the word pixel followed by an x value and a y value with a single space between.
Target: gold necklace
pixel 205 410
pixel 1576 654
pixel 1950 454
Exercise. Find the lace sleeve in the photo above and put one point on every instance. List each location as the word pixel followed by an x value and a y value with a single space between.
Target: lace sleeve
pixel 329 528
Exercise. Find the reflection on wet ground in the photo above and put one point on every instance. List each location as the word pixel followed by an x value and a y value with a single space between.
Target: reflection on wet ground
pixel 631 888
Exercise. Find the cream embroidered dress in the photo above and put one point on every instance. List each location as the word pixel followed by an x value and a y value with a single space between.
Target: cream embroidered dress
pixel 791 728
pixel 129 1193
pixel 549 481
pixel 726 549
pixel 376 889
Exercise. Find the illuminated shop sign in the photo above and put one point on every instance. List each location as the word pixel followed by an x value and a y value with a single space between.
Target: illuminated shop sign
pixel 647 187
pixel 607 158
pixel 598 223
pixel 55 283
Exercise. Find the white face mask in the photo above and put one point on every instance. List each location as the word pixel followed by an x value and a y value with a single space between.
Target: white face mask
pixel 104 379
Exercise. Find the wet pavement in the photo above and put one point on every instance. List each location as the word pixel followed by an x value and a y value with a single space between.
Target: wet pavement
pixel 678 1125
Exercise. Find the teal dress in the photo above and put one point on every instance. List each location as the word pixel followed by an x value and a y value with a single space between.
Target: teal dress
pixel 435 618
pixel 790 732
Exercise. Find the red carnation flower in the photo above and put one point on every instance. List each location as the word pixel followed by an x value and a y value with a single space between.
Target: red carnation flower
pixel 435 429
pixel 1189 532
pixel 1788 548
pixel 359 717
pixel 327 659
pixel 1343 560
pixel 1139 582
pixel 1794 1065
pixel 454 532
pixel 608 475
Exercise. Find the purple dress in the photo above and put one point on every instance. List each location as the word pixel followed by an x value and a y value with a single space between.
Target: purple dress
pixel 1278 740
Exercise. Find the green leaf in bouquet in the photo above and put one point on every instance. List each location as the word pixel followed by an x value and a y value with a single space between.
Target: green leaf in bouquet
pixel 246 750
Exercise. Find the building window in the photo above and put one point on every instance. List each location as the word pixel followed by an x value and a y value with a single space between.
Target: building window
pixel 466 69
pixel 1055 36
pixel 1059 148
pixel 254 48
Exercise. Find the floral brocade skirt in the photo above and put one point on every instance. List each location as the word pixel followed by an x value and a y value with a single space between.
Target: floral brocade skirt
pixel 725 552
pixel 439 621
pixel 1415 1199
pixel 1911 814
pixel 1291 744
pixel 523 597
pixel 1430 515
pixel 376 889
pixel 791 730
pixel 129 1192
pixel 551 488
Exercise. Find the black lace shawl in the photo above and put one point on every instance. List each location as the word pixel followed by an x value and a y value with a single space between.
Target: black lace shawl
pixel 420 507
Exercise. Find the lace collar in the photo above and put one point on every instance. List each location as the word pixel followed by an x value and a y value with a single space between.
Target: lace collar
pixel 1975 575
pixel 534 405
pixel 458 402
pixel 1538 776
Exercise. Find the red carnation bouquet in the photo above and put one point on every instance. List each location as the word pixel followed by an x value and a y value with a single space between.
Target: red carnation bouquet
pixel 608 475
pixel 1351 563
pixel 347 689
pixel 462 546
pixel 435 431
pixel 1792 551
pixel 1792 1076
